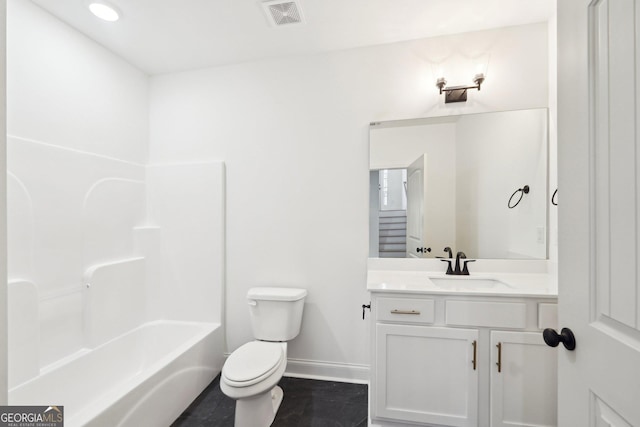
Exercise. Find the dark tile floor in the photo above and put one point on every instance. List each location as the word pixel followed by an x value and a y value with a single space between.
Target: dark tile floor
pixel 307 403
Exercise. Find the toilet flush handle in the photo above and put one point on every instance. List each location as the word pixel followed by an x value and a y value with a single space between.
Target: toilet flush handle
pixel 252 303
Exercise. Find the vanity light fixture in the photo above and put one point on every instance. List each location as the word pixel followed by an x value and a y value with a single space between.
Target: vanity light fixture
pixel 458 93
pixel 104 10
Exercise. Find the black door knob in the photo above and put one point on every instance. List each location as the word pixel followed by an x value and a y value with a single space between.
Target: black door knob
pixel 566 337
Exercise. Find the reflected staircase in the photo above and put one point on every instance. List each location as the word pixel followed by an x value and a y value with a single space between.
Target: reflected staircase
pixel 393 234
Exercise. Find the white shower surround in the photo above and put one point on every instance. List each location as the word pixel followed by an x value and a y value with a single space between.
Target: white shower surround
pixel 139 314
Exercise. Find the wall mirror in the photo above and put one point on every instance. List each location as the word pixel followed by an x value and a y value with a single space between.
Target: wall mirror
pixel 476 183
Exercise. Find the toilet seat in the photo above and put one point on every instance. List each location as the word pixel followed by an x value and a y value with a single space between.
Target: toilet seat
pixel 252 363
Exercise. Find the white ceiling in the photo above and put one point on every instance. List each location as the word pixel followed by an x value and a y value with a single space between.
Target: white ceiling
pixel 160 36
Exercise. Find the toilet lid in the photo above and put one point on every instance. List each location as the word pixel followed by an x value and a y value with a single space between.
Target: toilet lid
pixel 252 362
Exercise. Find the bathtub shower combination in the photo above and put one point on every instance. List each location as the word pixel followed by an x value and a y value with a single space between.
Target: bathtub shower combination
pixel 145 377
pixel 133 373
pixel 115 305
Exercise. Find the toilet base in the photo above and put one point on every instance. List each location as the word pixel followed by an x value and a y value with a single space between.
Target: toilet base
pixel 260 410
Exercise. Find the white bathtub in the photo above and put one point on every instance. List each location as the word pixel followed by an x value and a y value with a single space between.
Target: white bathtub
pixel 145 377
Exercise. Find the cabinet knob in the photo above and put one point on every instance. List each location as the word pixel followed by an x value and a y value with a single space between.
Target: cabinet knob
pixel 566 337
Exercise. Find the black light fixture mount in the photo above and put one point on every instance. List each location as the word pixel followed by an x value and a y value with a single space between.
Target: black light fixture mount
pixel 458 93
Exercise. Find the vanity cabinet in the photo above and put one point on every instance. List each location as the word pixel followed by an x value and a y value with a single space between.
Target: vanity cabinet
pixel 460 361
pixel 523 380
pixel 424 374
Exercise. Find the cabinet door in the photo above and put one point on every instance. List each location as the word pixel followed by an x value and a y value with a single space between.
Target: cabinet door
pixel 524 386
pixel 426 374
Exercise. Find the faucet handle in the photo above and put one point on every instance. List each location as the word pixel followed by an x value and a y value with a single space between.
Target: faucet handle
pixel 449 269
pixel 465 269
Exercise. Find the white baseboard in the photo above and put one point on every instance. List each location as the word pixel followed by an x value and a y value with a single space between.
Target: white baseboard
pixel 326 371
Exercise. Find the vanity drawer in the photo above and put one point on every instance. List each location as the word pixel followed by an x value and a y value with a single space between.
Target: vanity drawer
pixel 490 314
pixel 406 310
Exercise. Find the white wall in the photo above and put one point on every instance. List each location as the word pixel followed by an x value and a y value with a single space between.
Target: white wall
pixel 498 154
pixel 65 89
pixel 553 141
pixel 280 124
pixel 398 146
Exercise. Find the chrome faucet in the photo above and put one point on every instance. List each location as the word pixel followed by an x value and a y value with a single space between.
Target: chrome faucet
pixel 457 271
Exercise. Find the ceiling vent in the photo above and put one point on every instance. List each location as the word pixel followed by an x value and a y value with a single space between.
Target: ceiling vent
pixel 281 13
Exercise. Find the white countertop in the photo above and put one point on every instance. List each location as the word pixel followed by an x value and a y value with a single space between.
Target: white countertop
pixel 541 285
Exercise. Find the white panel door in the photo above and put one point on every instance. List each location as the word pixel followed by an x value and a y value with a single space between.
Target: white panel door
pixel 415 206
pixel 599 214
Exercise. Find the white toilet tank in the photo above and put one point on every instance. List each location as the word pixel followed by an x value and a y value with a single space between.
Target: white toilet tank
pixel 276 313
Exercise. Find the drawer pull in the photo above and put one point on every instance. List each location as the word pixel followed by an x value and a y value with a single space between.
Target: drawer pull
pixel 396 311
pixel 499 362
pixel 475 354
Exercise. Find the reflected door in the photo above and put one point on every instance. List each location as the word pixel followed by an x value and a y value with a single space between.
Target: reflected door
pixel 415 206
pixel 599 214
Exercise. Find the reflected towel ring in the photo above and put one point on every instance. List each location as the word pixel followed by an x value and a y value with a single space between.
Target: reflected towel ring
pixel 555 193
pixel 524 190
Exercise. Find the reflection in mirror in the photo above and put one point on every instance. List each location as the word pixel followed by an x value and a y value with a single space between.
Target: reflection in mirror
pixel 446 182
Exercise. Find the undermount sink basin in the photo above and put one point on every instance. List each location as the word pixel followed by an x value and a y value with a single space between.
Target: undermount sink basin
pixel 468 283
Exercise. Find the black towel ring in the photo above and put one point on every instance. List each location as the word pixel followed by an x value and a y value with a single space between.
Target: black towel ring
pixel 555 193
pixel 524 190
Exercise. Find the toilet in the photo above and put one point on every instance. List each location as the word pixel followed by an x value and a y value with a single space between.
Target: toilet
pixel 252 372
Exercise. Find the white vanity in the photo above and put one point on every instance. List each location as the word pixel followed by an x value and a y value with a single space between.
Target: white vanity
pixel 462 351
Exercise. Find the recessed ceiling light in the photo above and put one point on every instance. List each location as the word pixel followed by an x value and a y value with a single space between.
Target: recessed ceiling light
pixel 104 11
